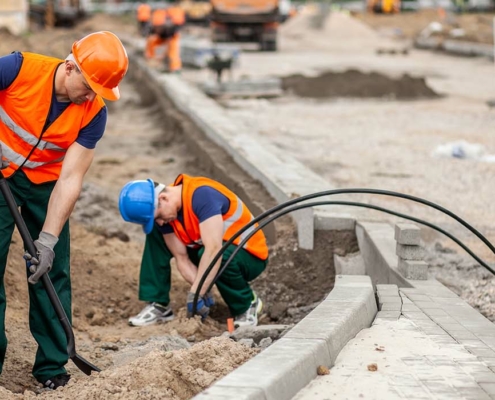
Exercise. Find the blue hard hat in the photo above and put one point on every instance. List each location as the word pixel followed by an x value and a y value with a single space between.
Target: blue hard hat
pixel 137 203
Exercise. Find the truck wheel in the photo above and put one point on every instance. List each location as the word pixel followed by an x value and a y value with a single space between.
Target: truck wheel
pixel 269 45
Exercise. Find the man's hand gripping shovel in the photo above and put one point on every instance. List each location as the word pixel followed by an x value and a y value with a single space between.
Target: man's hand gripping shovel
pixel 81 363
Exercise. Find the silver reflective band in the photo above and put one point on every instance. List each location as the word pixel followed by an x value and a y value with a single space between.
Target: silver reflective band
pixel 235 217
pixel 26 136
pixel 17 159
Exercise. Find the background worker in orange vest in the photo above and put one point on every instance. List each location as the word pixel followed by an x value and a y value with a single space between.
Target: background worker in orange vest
pixel 143 16
pixel 166 23
pixel 190 220
pixel 53 114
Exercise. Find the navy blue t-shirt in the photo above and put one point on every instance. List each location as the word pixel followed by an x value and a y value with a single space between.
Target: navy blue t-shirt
pixel 10 66
pixel 206 203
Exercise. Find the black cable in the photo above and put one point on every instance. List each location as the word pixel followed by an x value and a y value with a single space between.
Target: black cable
pixel 344 203
pixel 330 193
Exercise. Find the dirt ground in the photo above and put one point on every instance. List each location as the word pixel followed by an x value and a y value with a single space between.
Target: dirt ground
pixel 477 27
pixel 105 251
pixel 184 356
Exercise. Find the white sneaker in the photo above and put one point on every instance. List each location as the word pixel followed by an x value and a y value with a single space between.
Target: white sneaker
pixel 151 314
pixel 250 317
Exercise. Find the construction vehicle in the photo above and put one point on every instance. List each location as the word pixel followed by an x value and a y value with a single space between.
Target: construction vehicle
pixel 197 11
pixel 384 6
pixel 55 12
pixel 246 21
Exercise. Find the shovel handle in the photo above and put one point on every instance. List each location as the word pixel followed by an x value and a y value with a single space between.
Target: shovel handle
pixel 45 279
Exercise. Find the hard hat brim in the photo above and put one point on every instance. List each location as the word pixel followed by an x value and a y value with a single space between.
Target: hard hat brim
pixel 106 93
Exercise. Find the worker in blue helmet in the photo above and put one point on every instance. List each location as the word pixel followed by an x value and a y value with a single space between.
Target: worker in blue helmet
pixel 189 221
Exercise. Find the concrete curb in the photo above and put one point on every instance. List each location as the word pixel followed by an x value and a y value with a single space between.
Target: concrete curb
pixel 289 364
pixel 456 47
pixel 283 177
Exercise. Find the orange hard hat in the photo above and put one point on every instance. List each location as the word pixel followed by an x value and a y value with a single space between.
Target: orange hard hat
pixel 103 61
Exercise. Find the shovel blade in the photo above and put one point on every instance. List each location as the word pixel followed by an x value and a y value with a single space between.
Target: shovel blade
pixel 84 365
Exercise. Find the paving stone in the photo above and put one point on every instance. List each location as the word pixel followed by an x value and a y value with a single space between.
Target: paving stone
pixel 389 299
pixel 390 307
pixel 473 393
pixel 415 315
pixel 488 361
pixel 407 233
pixel 413 269
pixel 410 307
pixel 404 380
pixel 409 252
pixel 413 392
pixel 382 286
pixel 442 339
pixel 488 387
pixel 418 297
pixel 437 312
pixel 425 305
pixel 388 314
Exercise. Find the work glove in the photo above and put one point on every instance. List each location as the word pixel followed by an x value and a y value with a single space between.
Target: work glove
pixel 42 263
pixel 201 308
pixel 3 163
pixel 209 300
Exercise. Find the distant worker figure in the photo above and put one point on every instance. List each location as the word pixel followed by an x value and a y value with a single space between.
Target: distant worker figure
pixel 52 117
pixel 190 220
pixel 143 15
pixel 165 26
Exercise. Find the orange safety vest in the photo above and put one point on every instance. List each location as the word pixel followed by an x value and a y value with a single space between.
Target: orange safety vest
pixel 175 14
pixel 24 107
pixel 144 12
pixel 234 219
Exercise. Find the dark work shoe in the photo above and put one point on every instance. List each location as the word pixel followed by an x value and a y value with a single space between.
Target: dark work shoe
pixel 57 381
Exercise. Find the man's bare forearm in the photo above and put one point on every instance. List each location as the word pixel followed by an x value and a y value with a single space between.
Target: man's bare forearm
pixel 61 204
pixel 206 259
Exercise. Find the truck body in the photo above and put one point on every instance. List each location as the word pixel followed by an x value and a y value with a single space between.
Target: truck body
pixel 55 12
pixel 246 21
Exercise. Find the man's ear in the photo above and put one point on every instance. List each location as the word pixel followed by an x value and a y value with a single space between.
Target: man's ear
pixel 69 66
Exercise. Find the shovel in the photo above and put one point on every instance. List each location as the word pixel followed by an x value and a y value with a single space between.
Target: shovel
pixel 81 363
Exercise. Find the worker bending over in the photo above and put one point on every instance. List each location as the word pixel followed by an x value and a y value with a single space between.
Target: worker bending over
pixel 165 26
pixel 190 220
pixel 52 116
pixel 143 16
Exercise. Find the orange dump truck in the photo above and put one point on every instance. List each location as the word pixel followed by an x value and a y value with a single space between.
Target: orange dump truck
pixel 246 21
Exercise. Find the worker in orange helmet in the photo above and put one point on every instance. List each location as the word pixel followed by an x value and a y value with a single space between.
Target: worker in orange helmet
pixel 143 15
pixel 166 23
pixel 52 116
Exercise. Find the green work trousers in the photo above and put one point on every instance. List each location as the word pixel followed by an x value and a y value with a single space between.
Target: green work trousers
pixel 233 284
pixel 44 324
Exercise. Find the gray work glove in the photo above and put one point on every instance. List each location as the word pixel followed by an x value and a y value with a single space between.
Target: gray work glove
pixel 3 163
pixel 42 263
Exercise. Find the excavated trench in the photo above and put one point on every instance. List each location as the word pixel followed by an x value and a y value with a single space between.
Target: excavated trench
pixel 357 84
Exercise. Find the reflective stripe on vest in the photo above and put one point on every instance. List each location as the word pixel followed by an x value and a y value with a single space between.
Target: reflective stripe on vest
pixel 236 217
pixel 24 108
pixel 29 138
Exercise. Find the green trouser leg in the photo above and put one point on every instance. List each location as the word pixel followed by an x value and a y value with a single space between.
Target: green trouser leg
pixel 233 284
pixel 154 278
pixel 45 326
